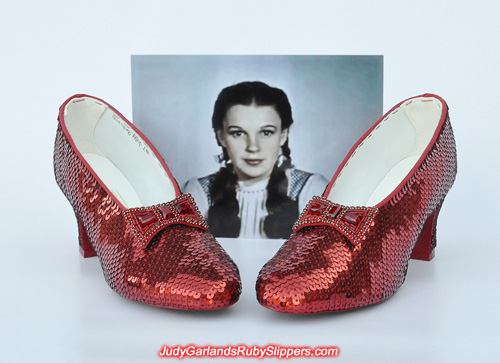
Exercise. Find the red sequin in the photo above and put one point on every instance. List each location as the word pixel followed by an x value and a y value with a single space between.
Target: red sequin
pixel 322 268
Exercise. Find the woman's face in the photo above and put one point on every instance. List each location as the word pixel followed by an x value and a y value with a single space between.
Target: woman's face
pixel 253 138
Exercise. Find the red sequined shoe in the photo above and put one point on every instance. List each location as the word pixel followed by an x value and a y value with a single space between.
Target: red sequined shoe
pixel 351 247
pixel 152 242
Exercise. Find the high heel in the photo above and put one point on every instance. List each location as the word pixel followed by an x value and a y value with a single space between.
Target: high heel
pixel 426 243
pixel 350 248
pixel 86 249
pixel 152 242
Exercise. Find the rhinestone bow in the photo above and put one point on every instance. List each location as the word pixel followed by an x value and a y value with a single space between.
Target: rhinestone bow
pixel 147 221
pixel 352 222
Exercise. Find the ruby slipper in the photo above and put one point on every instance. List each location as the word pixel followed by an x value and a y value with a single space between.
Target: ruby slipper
pixel 351 247
pixel 153 244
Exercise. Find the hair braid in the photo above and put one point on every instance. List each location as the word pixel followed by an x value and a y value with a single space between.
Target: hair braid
pixel 282 210
pixel 223 213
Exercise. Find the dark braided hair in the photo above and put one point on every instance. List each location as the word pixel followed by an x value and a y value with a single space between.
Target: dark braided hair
pixel 224 209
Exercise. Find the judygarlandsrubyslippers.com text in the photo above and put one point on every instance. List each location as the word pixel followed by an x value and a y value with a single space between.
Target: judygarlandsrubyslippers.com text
pixel 243 351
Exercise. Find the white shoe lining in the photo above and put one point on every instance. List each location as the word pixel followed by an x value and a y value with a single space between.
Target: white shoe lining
pixel 385 157
pixel 119 156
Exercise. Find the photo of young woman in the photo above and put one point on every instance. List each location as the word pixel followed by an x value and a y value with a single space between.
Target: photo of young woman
pixel 257 192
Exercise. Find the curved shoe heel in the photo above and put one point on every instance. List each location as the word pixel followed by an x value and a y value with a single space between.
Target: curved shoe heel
pixel 86 249
pixel 426 243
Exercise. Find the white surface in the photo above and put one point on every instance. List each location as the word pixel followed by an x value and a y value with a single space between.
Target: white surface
pixel 56 307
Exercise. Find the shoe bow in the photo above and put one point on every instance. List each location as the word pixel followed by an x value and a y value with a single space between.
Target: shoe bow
pixel 145 222
pixel 352 222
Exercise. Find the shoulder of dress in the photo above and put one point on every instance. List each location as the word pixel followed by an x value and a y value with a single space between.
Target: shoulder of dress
pixel 298 179
pixel 205 182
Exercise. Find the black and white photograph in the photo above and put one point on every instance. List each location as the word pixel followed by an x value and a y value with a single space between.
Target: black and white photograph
pixel 267 129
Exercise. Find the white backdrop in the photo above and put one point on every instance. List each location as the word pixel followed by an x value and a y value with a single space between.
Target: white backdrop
pixel 56 307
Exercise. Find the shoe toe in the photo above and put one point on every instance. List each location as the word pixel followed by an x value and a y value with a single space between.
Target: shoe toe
pixel 184 268
pixel 316 270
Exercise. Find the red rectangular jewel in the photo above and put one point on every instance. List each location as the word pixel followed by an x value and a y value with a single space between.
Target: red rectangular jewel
pixel 147 219
pixel 351 217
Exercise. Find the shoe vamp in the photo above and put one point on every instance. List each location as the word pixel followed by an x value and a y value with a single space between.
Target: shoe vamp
pixel 316 259
pixel 183 258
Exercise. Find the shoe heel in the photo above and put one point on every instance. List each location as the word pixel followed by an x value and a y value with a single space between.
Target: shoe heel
pixel 86 249
pixel 426 243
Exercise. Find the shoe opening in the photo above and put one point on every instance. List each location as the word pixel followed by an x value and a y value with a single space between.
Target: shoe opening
pixel 385 157
pixel 120 157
